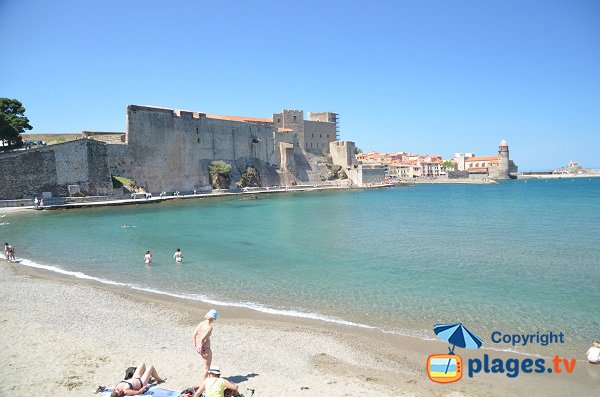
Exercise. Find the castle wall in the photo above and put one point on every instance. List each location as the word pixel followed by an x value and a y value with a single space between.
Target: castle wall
pixel 171 150
pixel 342 153
pixel 83 162
pixel 317 135
pixel 365 175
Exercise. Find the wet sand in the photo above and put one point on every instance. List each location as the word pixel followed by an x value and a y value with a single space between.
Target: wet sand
pixel 62 336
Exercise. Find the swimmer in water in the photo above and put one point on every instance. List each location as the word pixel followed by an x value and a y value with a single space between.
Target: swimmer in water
pixel 178 256
pixel 148 258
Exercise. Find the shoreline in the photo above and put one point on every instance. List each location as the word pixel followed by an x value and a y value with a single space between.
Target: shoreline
pixel 107 202
pixel 338 358
pixel 33 268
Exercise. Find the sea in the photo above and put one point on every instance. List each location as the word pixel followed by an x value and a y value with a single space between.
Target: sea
pixel 517 257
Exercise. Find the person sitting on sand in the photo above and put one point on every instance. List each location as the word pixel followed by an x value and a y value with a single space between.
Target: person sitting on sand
pixel 148 258
pixel 178 256
pixel 593 353
pixel 138 382
pixel 214 385
pixel 201 340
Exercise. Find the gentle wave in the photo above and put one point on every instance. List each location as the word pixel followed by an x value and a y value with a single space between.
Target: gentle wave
pixel 29 263
pixel 195 297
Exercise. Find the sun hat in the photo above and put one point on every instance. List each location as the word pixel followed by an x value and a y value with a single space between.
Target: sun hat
pixel 215 370
pixel 212 313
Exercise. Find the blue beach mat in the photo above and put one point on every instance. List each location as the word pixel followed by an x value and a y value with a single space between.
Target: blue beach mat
pixel 155 391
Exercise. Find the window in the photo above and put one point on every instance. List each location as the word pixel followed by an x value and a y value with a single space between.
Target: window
pixel 313 135
pixel 198 140
pixel 294 118
pixel 197 130
pixel 327 135
pixel 320 135
pixel 279 120
pixel 311 144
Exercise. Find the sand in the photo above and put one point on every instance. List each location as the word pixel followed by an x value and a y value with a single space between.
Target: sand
pixel 64 337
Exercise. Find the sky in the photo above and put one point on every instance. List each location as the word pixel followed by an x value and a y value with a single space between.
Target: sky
pixel 418 76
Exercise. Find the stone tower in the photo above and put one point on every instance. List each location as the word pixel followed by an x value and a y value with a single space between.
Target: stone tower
pixel 503 161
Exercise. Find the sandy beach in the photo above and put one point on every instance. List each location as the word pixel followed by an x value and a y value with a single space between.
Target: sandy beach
pixel 65 337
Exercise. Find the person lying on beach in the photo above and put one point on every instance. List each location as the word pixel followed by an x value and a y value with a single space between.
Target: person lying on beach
pixel 148 258
pixel 137 383
pixel 178 256
pixel 201 340
pixel 593 353
pixel 214 385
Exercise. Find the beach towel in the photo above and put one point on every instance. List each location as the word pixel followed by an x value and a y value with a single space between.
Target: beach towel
pixel 155 391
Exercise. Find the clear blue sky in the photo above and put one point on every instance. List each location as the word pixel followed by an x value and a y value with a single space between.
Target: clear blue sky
pixel 419 76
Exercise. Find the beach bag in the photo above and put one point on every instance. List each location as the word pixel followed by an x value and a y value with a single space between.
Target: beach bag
pixel 129 372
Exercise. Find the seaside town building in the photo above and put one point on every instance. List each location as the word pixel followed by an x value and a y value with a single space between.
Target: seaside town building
pixel 402 165
pixel 495 167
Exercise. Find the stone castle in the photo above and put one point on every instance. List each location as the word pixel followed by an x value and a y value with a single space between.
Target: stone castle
pixel 170 150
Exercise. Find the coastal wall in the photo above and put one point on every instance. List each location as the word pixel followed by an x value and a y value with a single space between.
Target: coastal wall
pixel 24 174
pixel 172 150
pixel 365 175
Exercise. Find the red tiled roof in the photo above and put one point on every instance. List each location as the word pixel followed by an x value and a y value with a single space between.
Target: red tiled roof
pixel 239 118
pixel 486 158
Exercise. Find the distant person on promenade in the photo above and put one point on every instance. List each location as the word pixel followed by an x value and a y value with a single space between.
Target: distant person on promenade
pixel 137 383
pixel 42 202
pixel 214 385
pixel 201 340
pixel 178 256
pixel 593 353
pixel 148 258
pixel 36 202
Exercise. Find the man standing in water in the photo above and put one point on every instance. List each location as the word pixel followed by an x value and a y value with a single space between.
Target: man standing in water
pixel 148 258
pixel 201 340
pixel 178 256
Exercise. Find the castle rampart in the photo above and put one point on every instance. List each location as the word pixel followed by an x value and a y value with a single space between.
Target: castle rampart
pixel 53 168
pixel 171 150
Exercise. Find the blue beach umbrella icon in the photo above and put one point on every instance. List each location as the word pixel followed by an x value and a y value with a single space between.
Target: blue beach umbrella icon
pixel 457 335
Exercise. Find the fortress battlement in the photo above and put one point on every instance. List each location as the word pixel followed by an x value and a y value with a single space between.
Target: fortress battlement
pixel 172 112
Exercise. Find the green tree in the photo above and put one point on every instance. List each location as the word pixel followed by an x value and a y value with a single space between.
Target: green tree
pixel 9 134
pixel 12 122
pixel 357 150
pixel 449 165
pixel 219 174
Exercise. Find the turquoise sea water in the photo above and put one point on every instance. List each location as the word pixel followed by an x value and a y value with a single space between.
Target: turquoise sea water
pixel 515 257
